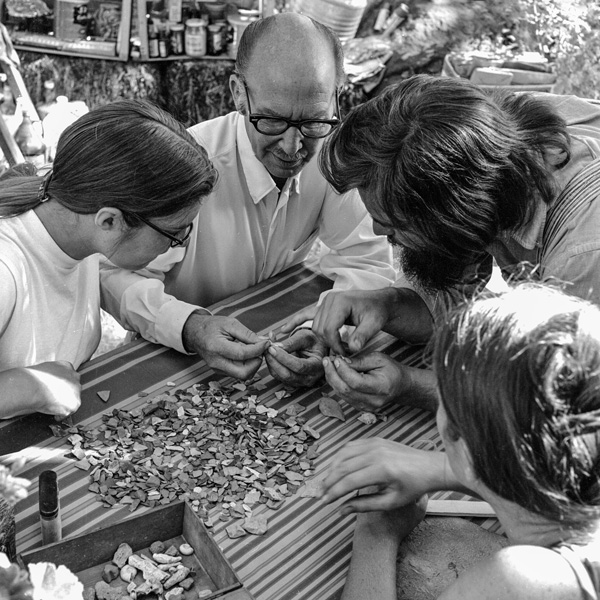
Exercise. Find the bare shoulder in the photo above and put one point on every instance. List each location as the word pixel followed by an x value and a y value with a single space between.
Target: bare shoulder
pixel 517 573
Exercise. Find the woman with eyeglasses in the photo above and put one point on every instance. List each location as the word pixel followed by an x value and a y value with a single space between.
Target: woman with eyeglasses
pixel 126 183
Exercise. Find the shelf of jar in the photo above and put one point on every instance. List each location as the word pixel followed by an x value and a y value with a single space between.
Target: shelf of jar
pixel 104 45
pixel 57 52
pixel 181 57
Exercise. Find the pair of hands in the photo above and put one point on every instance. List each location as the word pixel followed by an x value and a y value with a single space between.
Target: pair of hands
pixel 393 475
pixel 371 381
pixel 229 347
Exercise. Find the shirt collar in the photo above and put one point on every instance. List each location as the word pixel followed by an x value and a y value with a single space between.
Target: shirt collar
pixel 530 234
pixel 259 180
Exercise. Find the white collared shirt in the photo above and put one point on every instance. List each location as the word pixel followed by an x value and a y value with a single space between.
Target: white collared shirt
pixel 247 231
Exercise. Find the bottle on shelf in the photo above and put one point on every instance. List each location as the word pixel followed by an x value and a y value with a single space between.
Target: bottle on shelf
pixel 382 17
pixel 398 17
pixel 49 99
pixel 195 37
pixel 62 114
pixel 8 105
pixel 30 141
pixel 238 23
pixel 135 45
pixel 163 44
pixel 153 50
pixel 215 39
pixel 177 38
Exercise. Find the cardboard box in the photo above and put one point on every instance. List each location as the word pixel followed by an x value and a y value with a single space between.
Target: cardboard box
pixel 176 523
pixel 491 76
pixel 461 69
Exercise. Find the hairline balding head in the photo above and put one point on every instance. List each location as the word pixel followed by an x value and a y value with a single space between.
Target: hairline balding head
pixel 289 39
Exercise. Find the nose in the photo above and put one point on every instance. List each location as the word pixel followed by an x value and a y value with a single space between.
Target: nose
pixel 291 141
pixel 381 230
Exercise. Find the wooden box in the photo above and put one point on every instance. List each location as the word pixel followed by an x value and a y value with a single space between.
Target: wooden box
pixel 176 523
pixel 536 82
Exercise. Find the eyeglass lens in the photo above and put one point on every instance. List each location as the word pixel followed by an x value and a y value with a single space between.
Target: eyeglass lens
pixel 275 126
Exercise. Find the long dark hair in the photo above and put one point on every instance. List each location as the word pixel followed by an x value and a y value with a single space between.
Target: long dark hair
pixel 519 378
pixel 446 161
pixel 129 155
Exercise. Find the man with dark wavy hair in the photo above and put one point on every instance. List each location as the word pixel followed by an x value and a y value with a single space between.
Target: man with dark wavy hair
pixel 457 178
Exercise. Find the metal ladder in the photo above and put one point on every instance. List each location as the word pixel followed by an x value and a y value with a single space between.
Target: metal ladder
pixel 9 63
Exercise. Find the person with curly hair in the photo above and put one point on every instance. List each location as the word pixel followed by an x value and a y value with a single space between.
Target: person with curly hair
pixel 458 178
pixel 518 375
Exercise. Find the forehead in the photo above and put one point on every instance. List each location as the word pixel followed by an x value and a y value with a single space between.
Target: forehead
pixel 285 96
pixel 292 82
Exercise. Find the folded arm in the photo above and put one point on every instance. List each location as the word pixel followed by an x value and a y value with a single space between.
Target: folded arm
pixel 51 388
pixel 138 301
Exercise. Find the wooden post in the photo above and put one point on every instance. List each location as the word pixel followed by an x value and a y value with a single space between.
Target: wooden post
pixel 9 147
pixel 142 22
pixel 124 30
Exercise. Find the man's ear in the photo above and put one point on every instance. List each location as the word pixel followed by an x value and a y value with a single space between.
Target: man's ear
pixel 238 93
pixel 109 219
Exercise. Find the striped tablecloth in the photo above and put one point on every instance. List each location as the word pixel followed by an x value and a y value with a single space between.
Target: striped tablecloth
pixel 305 553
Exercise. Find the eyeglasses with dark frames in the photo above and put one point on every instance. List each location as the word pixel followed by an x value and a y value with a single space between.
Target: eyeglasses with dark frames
pixel 175 241
pixel 310 128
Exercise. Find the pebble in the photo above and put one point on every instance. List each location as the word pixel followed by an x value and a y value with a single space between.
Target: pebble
pixel 186 549
pixel 166 559
pixel 128 573
pixel 110 573
pixel 105 592
pixel 157 547
pixel 122 554
pixel 187 584
pixel 178 576
pixel 256 525
pixel 235 531
pixel 89 594
pixel 231 449
pixel 175 594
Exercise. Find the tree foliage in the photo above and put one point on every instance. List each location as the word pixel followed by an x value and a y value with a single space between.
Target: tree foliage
pixel 567 32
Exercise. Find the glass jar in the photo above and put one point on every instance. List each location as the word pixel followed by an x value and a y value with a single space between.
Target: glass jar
pixel 195 37
pixel 177 44
pixel 215 39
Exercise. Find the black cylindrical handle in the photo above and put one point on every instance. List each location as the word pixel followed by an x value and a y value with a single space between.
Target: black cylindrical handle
pixel 48 493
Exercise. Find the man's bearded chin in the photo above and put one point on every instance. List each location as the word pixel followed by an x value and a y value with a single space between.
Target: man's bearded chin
pixel 429 271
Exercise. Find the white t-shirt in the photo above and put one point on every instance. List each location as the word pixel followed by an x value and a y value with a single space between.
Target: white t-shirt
pixel 49 302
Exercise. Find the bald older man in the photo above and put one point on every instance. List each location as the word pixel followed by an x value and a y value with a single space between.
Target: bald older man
pixel 268 208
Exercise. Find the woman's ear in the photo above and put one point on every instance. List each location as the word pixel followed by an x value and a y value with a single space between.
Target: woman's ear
pixel 109 219
pixel 238 93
